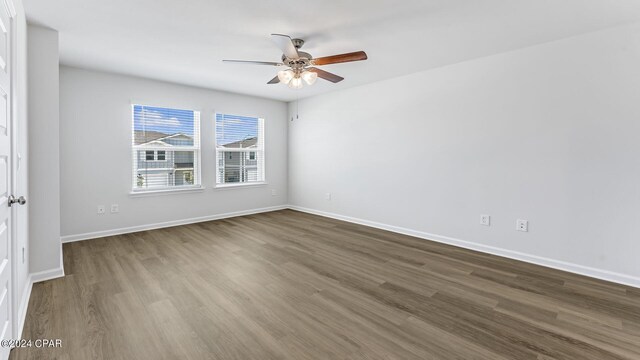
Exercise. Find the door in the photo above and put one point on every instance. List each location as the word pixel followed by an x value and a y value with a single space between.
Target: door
pixel 19 230
pixel 6 176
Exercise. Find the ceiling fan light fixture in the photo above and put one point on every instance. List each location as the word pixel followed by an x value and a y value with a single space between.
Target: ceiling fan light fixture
pixel 310 77
pixel 296 83
pixel 285 76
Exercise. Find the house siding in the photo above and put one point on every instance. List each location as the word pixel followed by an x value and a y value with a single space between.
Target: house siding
pixel 177 169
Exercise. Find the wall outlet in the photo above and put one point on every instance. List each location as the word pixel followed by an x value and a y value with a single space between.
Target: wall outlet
pixel 101 209
pixel 522 225
pixel 327 196
pixel 274 192
pixel 485 220
pixel 115 208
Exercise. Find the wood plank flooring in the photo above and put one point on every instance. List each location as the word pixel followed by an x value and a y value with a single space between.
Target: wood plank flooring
pixel 289 285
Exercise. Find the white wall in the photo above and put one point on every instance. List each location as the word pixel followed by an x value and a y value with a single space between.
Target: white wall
pixel 44 159
pixel 95 151
pixel 548 133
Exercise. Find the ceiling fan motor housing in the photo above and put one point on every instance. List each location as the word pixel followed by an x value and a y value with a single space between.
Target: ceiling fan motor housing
pixel 297 43
pixel 303 61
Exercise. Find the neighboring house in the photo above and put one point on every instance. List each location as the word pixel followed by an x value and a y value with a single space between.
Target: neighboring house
pixel 160 167
pixel 239 166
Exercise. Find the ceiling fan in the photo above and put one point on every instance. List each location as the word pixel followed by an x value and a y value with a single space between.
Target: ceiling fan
pixel 301 65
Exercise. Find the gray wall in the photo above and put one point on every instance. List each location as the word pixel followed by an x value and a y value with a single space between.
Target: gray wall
pixel 548 134
pixel 44 159
pixel 96 160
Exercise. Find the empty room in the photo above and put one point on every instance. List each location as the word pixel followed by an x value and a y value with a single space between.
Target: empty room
pixel 418 179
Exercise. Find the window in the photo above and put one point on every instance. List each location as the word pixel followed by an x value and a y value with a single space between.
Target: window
pixel 165 148
pixel 239 149
pixel 155 155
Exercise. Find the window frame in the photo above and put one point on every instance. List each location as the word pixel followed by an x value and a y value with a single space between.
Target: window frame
pixel 196 148
pixel 262 149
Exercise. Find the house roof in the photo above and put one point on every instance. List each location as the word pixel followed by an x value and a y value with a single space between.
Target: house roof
pixel 143 137
pixel 246 143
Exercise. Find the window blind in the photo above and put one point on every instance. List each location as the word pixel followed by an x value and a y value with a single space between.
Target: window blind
pixel 165 148
pixel 239 149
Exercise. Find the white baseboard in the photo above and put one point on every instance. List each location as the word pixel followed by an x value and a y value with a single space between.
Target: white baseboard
pixel 47 275
pixel 99 234
pixel 538 260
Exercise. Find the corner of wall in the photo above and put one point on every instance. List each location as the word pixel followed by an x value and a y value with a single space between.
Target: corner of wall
pixel 43 150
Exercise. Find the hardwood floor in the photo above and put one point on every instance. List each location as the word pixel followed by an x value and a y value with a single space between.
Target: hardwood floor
pixel 289 285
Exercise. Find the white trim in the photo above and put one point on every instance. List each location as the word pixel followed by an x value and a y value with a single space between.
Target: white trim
pixel 47 275
pixel 166 191
pixel 61 257
pixel 165 106
pixel 11 8
pixel 533 259
pixel 228 186
pixel 99 234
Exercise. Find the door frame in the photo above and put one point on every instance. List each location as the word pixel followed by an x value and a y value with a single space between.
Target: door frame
pixel 15 162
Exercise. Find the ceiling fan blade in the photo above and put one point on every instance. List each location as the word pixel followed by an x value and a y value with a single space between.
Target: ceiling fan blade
pixel 249 62
pixel 275 80
pixel 284 43
pixel 326 75
pixel 342 58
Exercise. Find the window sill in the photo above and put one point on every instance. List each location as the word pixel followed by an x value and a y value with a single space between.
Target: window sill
pixel 143 193
pixel 238 185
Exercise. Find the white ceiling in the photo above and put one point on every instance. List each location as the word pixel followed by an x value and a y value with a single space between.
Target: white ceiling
pixel 184 41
